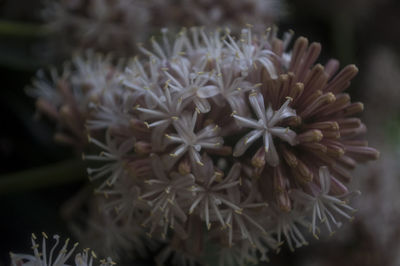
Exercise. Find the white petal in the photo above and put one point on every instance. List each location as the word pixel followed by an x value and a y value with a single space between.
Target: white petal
pixel 246 122
pixel 208 91
pixel 257 102
pixel 324 179
pixel 202 104
pixel 272 155
pixel 285 134
pixel 245 142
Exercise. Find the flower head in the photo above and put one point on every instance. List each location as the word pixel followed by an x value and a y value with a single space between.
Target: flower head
pixel 234 136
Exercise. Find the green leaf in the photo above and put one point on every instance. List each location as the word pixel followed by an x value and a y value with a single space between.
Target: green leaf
pixel 22 29
pixel 43 177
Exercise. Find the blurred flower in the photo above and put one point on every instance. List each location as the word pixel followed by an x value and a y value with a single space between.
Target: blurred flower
pixel 69 97
pixel 118 25
pixel 104 25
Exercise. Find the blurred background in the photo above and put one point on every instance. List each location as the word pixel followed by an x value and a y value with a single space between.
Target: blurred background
pixel 38 176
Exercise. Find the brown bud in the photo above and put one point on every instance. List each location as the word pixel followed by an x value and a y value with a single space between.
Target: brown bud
pixel 283 201
pixel 302 172
pixel 142 147
pixel 313 135
pixel 258 159
pixel 184 167
pixel 289 156
pixel 139 125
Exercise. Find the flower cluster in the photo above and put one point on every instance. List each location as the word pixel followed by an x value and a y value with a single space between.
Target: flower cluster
pixel 69 97
pixel 239 137
pixel 58 256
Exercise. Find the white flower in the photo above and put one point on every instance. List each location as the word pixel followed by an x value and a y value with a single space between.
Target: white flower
pixel 192 142
pixel 163 193
pixel 143 79
pixel 266 127
pixel 113 112
pixel 211 194
pixel 167 52
pixel 207 48
pixel 322 204
pixel 245 219
pixel 46 87
pixel 58 256
pixel 191 84
pixel 287 225
pixel 229 86
pixel 123 201
pixel 169 106
pixel 41 257
pixel 93 75
pixel 114 155
pixel 246 53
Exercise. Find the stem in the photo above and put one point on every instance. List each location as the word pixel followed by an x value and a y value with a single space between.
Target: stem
pixel 21 29
pixel 43 177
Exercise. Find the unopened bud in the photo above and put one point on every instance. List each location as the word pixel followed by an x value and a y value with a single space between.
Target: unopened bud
pixel 142 147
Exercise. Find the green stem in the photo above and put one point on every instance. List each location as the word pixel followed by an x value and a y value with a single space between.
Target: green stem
pixel 21 29
pixel 42 177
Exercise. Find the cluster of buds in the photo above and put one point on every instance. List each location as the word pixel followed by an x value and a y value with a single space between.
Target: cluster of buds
pixel 240 142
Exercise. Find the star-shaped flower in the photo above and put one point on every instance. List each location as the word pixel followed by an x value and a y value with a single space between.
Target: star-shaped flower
pixel 322 204
pixel 266 127
pixel 193 142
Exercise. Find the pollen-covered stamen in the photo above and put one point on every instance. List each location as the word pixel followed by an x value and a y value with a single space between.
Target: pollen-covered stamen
pixel 266 127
